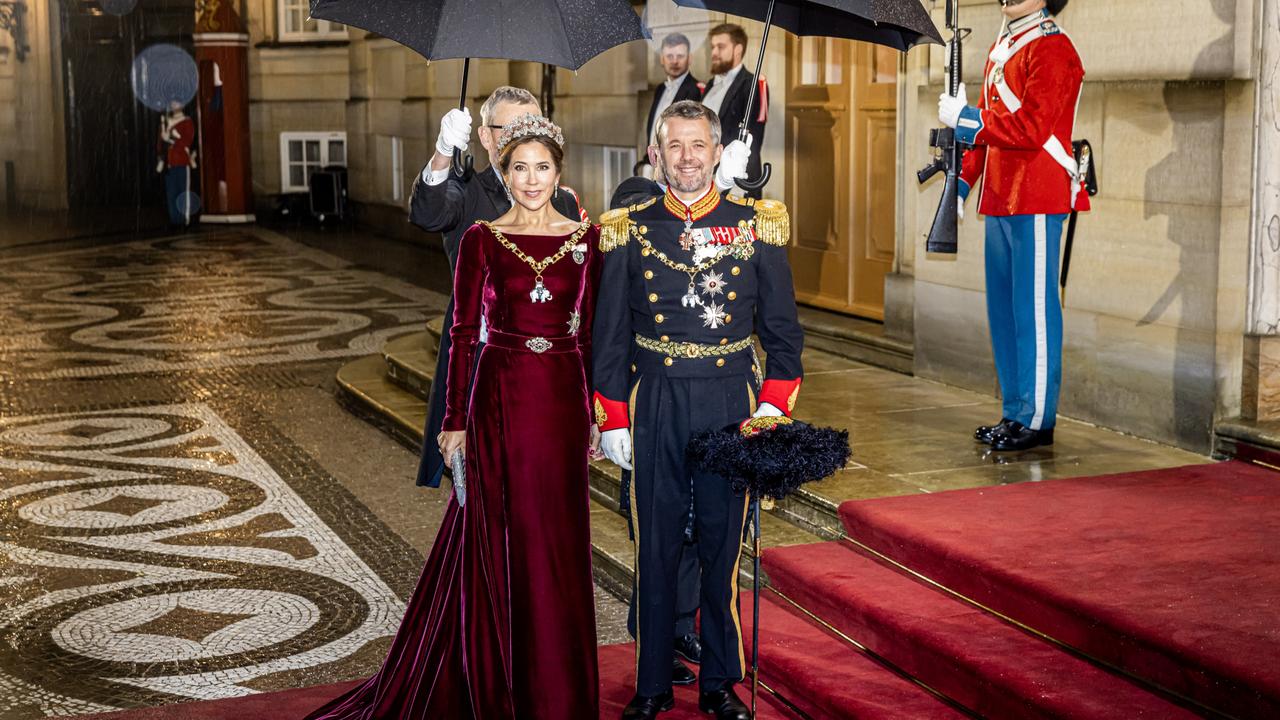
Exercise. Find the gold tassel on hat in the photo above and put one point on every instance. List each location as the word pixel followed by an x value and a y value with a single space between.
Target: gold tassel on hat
pixel 615 229
pixel 773 222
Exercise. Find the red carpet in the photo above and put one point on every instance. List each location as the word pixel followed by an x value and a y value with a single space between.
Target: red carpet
pixel 1173 575
pixel 970 656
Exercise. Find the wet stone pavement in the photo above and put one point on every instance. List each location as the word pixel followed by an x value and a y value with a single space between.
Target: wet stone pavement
pixel 185 511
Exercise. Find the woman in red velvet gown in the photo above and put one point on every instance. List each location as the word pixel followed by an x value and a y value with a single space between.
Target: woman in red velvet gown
pixel 502 623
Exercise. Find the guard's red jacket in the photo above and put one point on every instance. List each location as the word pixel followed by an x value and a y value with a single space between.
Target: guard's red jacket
pixel 1011 124
pixel 176 142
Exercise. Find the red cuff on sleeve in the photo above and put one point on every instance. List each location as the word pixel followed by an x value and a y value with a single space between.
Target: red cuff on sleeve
pixel 781 394
pixel 610 414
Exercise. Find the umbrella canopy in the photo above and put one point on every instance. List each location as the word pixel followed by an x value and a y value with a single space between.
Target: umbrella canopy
pixel 567 33
pixel 899 24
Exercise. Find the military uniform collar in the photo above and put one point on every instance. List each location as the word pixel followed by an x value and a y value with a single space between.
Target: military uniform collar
pixel 1026 22
pixel 696 211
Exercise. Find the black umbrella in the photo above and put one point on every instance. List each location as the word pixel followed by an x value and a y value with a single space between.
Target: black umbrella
pixel 899 24
pixel 567 33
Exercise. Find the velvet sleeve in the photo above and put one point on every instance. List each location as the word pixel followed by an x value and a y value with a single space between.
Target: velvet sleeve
pixel 468 298
pixel 587 308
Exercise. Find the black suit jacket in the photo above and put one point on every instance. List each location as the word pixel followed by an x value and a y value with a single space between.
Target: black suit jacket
pixel 732 110
pixel 688 90
pixel 449 209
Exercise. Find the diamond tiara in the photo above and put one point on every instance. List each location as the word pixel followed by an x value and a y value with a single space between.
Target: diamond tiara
pixel 529 125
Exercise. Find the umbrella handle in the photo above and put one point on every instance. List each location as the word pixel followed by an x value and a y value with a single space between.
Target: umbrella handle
pixel 766 170
pixel 463 167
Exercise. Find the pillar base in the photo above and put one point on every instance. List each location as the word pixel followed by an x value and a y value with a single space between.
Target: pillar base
pixel 1260 394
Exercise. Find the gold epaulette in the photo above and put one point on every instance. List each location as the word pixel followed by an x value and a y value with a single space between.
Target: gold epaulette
pixel 773 222
pixel 615 229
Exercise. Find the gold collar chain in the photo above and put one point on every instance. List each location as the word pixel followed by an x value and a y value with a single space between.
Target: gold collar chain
pixel 725 251
pixel 538 266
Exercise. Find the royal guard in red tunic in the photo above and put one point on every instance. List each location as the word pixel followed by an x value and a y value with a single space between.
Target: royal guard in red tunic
pixel 1021 132
pixel 176 148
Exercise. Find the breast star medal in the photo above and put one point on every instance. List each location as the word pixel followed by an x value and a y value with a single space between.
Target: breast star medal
pixel 574 321
pixel 712 315
pixel 713 283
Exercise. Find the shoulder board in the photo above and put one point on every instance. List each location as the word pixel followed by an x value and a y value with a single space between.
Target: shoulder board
pixel 740 200
pixel 645 204
pixel 773 222
pixel 615 229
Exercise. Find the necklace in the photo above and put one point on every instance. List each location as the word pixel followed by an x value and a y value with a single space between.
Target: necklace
pixel 540 293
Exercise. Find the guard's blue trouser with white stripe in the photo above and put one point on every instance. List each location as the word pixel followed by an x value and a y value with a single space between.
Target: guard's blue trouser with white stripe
pixel 1024 314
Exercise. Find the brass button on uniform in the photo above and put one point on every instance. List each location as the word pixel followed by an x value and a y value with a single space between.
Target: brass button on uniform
pixel 668 362
pixel 724 341
pixel 733 295
pixel 666 338
pixel 645 252
pixel 720 362
pixel 633 368
pixel 653 297
pixel 648 274
pixel 736 270
pixel 728 318
pixel 658 318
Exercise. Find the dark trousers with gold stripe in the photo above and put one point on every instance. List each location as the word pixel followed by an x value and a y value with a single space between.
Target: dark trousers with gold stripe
pixel 666 412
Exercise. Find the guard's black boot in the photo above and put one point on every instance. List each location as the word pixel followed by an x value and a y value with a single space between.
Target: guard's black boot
pixel 681 674
pixel 647 708
pixel 689 647
pixel 984 433
pixel 724 704
pixel 1020 437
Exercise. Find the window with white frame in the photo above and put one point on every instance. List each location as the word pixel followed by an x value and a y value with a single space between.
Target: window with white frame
pixel 302 153
pixel 296 23
pixel 618 164
pixel 397 168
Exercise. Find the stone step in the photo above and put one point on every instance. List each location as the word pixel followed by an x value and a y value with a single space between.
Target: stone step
pixel 612 552
pixel 411 362
pixel 1251 440
pixel 855 339
pixel 435 329
pixel 365 389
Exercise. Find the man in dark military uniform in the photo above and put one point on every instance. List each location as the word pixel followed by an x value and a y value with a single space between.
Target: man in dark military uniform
pixel 688 277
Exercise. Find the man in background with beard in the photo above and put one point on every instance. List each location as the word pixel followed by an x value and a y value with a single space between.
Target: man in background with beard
pixel 728 90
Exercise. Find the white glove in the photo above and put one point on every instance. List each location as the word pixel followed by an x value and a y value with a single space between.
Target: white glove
pixel 949 107
pixel 455 132
pixel 767 410
pixel 616 445
pixel 733 163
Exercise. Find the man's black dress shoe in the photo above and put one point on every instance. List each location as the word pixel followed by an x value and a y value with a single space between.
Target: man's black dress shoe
pixel 647 708
pixel 689 647
pixel 724 705
pixel 984 433
pixel 1020 437
pixel 681 674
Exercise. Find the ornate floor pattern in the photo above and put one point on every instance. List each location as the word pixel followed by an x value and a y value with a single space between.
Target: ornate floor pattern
pixel 160 540
pixel 186 303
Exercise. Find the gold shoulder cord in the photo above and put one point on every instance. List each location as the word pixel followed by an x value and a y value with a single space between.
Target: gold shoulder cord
pixel 773 223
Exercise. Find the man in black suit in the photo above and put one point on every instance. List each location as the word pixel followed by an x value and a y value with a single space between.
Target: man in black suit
pixel 444 203
pixel 728 89
pixel 680 83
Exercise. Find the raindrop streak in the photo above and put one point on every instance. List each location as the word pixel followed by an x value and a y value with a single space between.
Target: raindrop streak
pixel 118 7
pixel 163 73
pixel 188 203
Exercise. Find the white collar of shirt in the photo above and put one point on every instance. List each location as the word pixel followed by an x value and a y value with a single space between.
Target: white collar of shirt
pixel 727 79
pixel 675 82
pixel 1027 21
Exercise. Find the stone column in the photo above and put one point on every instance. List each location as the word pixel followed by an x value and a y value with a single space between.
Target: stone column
pixel 222 55
pixel 1261 392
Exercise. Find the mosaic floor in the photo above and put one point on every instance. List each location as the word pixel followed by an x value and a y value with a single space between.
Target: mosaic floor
pixel 174 523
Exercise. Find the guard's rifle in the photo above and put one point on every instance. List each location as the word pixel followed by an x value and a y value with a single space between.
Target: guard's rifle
pixel 942 235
